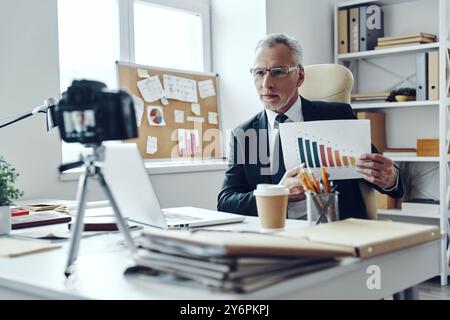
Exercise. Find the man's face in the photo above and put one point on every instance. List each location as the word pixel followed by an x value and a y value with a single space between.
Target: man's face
pixel 277 94
pixel 78 118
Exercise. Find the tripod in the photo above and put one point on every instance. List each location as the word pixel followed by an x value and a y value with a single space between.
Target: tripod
pixel 93 168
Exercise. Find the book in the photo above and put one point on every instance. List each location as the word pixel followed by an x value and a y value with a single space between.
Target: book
pixel 408 40
pixel 397 45
pixel 39 219
pixel 369 95
pixel 412 35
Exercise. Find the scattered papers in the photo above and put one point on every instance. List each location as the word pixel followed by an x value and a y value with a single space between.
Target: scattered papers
pixel 151 89
pixel 155 116
pixel 195 119
pixel 195 108
pixel 15 248
pixel 139 109
pixel 188 142
pixel 206 89
pixel 180 88
pixel 212 118
pixel 179 116
pixel 143 73
pixel 152 145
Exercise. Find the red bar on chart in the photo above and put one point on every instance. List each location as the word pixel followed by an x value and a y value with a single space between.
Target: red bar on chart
pixel 330 157
pixel 322 156
pixel 337 157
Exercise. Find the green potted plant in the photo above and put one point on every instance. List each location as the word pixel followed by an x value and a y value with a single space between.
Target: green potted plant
pixel 8 193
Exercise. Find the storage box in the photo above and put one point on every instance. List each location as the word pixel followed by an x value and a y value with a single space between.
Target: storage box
pixel 377 128
pixel 428 148
pixel 385 202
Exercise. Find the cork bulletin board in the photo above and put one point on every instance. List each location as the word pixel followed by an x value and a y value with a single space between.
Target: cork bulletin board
pixel 164 118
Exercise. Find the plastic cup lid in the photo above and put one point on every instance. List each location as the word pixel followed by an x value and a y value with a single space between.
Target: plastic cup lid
pixel 271 190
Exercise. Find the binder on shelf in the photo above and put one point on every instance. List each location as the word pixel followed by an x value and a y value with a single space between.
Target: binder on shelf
pixel 433 75
pixel 421 76
pixel 354 30
pixel 343 31
pixel 371 27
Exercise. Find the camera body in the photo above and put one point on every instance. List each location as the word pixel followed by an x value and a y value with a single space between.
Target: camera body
pixel 89 114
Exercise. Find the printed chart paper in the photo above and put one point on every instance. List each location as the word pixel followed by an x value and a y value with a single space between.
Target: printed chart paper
pixel 336 145
pixel 195 108
pixel 155 116
pixel 180 88
pixel 151 89
pixel 152 145
pixel 206 89
pixel 138 108
pixel 179 116
pixel 212 118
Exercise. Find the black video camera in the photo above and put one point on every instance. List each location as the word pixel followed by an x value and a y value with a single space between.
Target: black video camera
pixel 87 113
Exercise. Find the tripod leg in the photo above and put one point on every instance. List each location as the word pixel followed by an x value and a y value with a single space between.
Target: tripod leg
pixel 79 223
pixel 119 218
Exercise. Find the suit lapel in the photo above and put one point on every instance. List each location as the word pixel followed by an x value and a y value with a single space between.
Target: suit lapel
pixel 309 111
pixel 263 165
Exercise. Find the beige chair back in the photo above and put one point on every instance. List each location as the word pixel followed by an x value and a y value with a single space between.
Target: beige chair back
pixel 334 83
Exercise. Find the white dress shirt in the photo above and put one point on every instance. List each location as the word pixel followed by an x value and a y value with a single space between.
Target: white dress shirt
pixel 297 209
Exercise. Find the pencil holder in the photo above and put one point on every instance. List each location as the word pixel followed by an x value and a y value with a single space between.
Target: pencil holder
pixel 322 208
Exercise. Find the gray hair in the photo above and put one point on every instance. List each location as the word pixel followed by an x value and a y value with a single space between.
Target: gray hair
pixel 271 40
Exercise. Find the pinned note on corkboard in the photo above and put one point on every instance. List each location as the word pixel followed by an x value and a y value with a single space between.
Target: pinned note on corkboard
pixel 177 111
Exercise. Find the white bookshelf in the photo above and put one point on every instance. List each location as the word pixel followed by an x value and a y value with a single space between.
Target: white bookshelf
pixel 389 51
pixel 391 105
pixel 403 213
pixel 438 23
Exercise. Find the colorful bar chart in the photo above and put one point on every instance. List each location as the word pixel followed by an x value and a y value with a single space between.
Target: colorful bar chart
pixel 317 155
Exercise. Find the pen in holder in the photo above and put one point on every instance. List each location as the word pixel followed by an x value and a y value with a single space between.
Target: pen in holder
pixel 322 207
pixel 321 197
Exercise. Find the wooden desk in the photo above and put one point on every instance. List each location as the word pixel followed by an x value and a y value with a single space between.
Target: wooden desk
pixel 103 259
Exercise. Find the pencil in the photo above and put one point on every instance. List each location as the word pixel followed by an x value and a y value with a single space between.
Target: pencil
pixel 326 183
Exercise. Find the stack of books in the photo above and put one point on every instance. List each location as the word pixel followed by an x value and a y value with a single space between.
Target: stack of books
pixel 409 39
pixel 370 96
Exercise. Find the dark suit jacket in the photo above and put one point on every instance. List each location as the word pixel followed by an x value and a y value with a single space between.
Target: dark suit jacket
pixel 244 173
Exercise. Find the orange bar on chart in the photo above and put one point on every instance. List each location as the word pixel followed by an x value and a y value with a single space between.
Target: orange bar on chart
pixel 330 157
pixel 337 158
pixel 345 158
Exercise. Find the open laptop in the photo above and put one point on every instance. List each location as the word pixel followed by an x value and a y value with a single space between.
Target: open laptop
pixel 132 189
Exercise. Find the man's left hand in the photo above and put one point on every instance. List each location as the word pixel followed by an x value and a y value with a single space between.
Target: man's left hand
pixel 378 170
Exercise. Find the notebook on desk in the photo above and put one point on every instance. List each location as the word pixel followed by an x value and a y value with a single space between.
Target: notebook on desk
pixel 133 191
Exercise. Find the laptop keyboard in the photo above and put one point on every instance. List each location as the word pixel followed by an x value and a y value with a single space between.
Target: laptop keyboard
pixel 176 217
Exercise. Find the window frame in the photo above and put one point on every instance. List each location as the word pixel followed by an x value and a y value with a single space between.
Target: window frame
pixel 126 24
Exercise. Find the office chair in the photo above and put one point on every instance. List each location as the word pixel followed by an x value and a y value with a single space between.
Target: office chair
pixel 334 83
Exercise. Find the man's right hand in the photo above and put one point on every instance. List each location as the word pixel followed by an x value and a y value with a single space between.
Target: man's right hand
pixel 291 181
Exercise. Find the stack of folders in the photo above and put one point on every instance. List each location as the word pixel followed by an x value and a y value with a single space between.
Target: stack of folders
pixel 409 39
pixel 211 267
pixel 245 261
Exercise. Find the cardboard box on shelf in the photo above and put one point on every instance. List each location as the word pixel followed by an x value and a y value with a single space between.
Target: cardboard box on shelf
pixel 377 128
pixel 385 202
pixel 428 148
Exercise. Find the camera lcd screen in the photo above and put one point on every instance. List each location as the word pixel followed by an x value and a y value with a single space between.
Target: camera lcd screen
pixel 79 123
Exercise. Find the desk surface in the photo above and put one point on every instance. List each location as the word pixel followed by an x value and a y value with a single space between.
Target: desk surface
pixel 103 259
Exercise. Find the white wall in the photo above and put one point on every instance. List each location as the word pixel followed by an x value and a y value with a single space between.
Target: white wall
pixel 309 21
pixel 29 74
pixel 236 28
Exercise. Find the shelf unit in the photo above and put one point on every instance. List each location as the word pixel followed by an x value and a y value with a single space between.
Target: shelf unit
pixel 442 18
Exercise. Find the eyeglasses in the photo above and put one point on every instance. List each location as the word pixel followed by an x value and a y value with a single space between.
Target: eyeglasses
pixel 278 72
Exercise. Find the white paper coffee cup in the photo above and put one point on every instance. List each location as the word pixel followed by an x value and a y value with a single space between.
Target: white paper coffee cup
pixel 271 202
